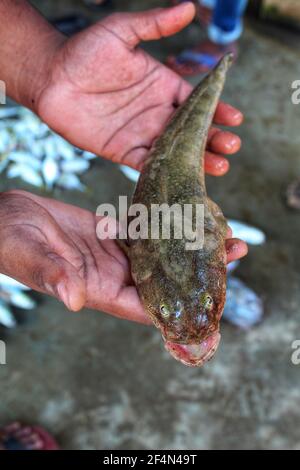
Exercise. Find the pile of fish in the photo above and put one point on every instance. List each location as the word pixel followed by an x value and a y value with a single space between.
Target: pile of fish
pixel 29 150
pixel 13 294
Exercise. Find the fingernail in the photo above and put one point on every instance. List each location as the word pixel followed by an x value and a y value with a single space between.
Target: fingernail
pixel 230 144
pixel 222 166
pixel 238 116
pixel 234 248
pixel 63 294
pixel 235 113
pixel 231 248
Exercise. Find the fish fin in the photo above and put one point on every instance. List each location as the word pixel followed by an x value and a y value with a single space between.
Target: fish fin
pixel 218 215
pixel 124 246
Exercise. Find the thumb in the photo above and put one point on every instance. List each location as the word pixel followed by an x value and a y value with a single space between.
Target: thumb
pixel 61 279
pixel 150 25
pixel 44 271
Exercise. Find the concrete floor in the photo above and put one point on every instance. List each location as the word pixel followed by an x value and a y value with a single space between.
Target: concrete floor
pixel 101 383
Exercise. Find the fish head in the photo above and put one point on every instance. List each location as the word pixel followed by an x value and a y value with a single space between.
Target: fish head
pixel 188 314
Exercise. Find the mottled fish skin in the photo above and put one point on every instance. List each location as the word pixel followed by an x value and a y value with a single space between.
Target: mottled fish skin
pixel 183 291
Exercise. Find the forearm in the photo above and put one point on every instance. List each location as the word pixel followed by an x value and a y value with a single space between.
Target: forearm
pixel 27 46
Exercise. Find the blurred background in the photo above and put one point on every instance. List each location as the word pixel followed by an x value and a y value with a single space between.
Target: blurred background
pixel 100 383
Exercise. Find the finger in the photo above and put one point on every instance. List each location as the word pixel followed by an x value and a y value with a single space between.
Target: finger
pixel 150 25
pixel 227 115
pixel 136 157
pixel 216 165
pixel 69 287
pixel 223 142
pixel 235 249
pixel 54 275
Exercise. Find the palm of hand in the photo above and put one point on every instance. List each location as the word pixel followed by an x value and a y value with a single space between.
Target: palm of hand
pixel 107 96
pixel 114 99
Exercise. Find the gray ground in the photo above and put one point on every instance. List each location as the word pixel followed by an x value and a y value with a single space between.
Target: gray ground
pixel 100 383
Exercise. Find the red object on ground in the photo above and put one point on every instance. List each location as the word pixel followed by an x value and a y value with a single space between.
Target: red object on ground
pixel 17 436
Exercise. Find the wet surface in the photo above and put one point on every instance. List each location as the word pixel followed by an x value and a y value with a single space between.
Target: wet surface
pixel 101 383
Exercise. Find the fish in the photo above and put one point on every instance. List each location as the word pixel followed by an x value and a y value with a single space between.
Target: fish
pixel 77 165
pixel 50 171
pixel 6 316
pixel 64 149
pixel 25 158
pixel 10 284
pixel 29 150
pixel 7 112
pixel 3 162
pixel 89 155
pixel 5 141
pixel 21 300
pixel 183 291
pixel 130 173
pixel 243 307
pixel 70 181
pixel 28 174
pixel 13 294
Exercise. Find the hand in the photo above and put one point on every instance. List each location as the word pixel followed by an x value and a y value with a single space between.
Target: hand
pixel 106 95
pixel 52 247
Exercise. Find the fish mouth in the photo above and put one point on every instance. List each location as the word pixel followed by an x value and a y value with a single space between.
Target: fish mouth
pixel 194 355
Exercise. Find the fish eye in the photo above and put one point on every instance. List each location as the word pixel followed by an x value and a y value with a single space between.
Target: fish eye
pixel 165 312
pixel 207 301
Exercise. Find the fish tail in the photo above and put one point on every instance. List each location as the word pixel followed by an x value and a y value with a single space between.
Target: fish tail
pixel 189 127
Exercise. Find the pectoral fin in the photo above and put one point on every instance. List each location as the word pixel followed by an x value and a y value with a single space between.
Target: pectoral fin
pixel 218 215
pixel 124 246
